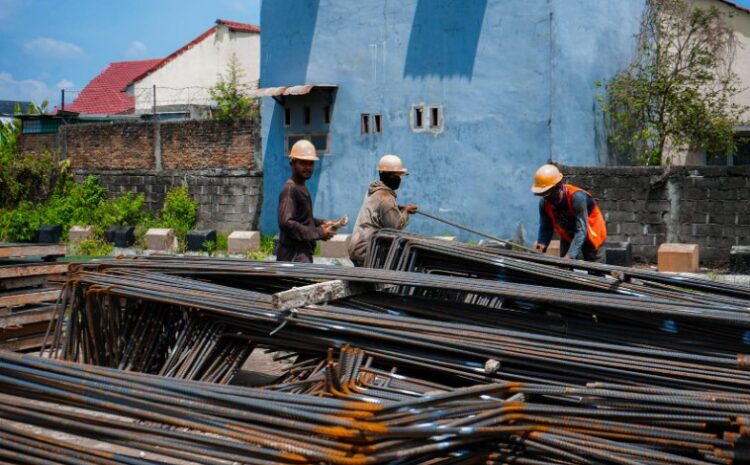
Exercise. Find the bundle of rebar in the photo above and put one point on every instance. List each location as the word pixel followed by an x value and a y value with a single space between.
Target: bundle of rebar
pixel 62 412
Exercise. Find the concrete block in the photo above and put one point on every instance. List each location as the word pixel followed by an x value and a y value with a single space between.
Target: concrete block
pixel 618 254
pixel 681 258
pixel 739 259
pixel 78 234
pixel 243 241
pixel 196 239
pixel 161 239
pixel 49 234
pixel 554 248
pixel 337 247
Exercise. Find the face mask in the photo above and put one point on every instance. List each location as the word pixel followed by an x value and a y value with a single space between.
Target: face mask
pixel 393 181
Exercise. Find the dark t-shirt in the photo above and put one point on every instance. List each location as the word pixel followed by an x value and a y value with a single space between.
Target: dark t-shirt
pixel 298 229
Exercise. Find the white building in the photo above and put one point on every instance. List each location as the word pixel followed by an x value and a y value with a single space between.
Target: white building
pixel 182 80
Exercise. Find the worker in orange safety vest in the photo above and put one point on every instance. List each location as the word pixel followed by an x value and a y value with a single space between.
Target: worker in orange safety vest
pixel 571 212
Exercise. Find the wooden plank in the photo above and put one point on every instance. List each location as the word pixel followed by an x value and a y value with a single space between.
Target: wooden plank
pixel 26 330
pixel 15 300
pixel 23 343
pixel 318 293
pixel 45 314
pixel 31 250
pixel 26 281
pixel 20 271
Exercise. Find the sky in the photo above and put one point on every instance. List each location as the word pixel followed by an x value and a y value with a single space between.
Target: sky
pixel 48 45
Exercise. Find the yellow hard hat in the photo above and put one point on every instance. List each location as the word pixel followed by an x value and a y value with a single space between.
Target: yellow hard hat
pixel 545 178
pixel 392 164
pixel 303 150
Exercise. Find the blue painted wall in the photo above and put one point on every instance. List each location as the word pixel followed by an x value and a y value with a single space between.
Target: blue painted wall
pixel 515 78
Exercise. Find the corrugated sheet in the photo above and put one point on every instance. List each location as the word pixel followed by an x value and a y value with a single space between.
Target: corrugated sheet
pixel 289 90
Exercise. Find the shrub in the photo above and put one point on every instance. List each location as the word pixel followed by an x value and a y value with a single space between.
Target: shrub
pixel 180 212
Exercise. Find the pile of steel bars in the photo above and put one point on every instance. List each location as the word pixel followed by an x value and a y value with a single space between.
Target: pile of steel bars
pixel 544 343
pixel 52 411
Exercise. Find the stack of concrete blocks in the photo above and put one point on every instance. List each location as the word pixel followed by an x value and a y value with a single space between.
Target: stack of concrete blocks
pixel 161 239
pixel 78 234
pixel 241 242
pixel 336 247
pixel 739 259
pixel 678 258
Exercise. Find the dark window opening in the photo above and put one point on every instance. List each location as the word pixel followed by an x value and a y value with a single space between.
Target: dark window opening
pixel 327 114
pixel 742 157
pixel 365 123
pixel 377 121
pixel 418 113
pixel 287 116
pixel 291 140
pixel 320 141
pixel 434 117
pixel 308 116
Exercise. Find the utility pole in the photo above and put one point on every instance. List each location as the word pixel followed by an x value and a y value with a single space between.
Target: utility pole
pixel 62 100
pixel 153 102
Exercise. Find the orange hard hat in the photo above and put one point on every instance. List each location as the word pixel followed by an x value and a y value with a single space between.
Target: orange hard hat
pixel 303 150
pixel 545 178
pixel 392 164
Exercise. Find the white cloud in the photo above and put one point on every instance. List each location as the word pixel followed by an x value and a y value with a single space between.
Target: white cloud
pixel 25 89
pixel 137 49
pixel 65 84
pixel 52 48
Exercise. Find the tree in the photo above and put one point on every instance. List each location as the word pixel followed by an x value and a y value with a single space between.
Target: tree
pixel 230 94
pixel 677 93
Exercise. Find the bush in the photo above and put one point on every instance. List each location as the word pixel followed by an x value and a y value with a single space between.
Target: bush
pixel 21 223
pixel 93 248
pixel 180 212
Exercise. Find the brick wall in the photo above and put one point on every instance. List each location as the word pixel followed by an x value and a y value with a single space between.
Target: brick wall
pixel 708 206
pixel 208 144
pixel 228 199
pixel 109 146
pixel 37 142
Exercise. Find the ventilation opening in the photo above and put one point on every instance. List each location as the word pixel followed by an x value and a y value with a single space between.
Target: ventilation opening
pixel 287 116
pixel 418 117
pixel 365 123
pixel 327 114
pixel 308 116
pixel 434 117
pixel 377 121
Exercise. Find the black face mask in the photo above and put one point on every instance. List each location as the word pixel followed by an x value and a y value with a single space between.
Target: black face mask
pixel 391 180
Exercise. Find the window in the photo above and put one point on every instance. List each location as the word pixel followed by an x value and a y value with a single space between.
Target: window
pixel 308 116
pixel 319 139
pixel 417 117
pixel 434 117
pixel 742 157
pixel 287 116
pixel 377 122
pixel 327 114
pixel 364 126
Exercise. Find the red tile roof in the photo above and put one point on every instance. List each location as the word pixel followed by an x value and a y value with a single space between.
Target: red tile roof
pixel 232 25
pixel 105 95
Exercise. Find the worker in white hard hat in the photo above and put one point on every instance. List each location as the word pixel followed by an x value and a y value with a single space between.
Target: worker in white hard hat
pixel 380 209
pixel 298 228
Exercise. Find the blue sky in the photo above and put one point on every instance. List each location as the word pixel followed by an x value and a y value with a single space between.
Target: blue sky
pixel 46 45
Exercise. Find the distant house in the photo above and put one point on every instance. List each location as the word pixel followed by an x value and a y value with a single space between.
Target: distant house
pixel 105 94
pixel 182 80
pixel 8 109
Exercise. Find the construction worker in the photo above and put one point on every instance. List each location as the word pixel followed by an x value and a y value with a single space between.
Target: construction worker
pixel 298 228
pixel 379 209
pixel 571 212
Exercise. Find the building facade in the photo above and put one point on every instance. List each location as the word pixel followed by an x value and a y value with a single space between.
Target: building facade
pixel 472 95
pixel 183 79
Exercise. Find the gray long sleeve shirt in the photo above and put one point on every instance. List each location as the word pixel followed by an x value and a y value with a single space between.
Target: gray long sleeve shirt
pixel 574 222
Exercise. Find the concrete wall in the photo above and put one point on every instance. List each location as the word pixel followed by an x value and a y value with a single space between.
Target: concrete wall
pixel 228 199
pixel 514 78
pixel 648 206
pixel 198 68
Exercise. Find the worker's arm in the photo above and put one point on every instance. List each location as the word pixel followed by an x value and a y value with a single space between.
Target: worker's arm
pixel 391 216
pixel 582 224
pixel 544 236
pixel 295 229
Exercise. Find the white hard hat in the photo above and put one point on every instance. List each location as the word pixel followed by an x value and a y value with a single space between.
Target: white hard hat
pixel 303 150
pixel 392 164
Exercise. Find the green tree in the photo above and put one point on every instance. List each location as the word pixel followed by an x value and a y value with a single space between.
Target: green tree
pixel 677 94
pixel 230 94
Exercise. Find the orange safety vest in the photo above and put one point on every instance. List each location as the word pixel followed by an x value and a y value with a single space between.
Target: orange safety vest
pixel 596 232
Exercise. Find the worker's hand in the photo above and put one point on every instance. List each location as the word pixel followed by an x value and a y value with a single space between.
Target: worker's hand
pixel 328 231
pixel 539 247
pixel 410 208
pixel 568 257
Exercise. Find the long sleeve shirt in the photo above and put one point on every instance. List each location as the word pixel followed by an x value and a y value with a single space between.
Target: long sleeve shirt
pixel 298 228
pixel 574 222
pixel 379 210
